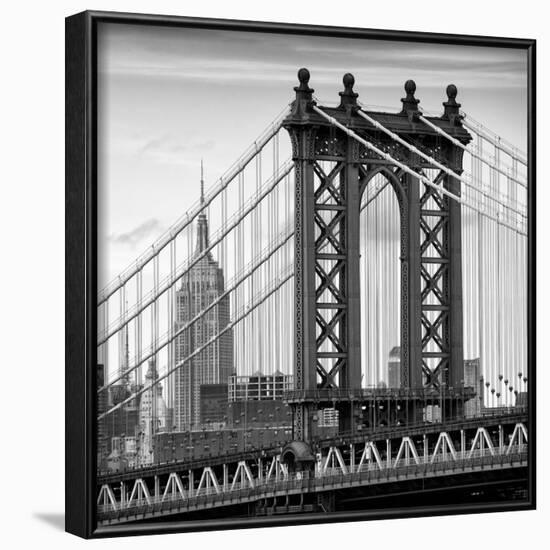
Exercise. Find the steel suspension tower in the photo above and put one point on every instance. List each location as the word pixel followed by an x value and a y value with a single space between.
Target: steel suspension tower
pixel 332 169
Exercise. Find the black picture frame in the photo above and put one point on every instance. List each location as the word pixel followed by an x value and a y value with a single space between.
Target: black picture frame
pixel 81 265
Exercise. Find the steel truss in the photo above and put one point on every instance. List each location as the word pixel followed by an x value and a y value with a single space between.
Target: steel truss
pixel 435 299
pixel 496 444
pixel 336 153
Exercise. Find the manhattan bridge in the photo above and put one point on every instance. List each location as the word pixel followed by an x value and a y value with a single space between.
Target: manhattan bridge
pixel 362 308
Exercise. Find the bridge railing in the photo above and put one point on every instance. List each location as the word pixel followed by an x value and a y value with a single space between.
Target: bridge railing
pixel 358 394
pixel 427 460
pixel 309 482
pixel 160 467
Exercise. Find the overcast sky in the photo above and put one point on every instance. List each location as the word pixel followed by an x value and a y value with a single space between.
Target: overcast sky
pixel 169 97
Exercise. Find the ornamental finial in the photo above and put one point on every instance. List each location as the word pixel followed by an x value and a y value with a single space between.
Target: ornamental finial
pixel 452 108
pixel 348 98
pixel 303 77
pixel 304 94
pixel 303 91
pixel 410 103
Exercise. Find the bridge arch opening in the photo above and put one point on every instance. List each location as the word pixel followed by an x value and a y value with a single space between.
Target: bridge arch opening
pixel 383 302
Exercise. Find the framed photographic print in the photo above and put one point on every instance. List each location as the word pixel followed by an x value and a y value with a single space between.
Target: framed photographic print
pixel 300 274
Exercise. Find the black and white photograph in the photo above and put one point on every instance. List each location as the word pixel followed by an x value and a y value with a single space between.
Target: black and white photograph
pixel 273 275
pixel 312 276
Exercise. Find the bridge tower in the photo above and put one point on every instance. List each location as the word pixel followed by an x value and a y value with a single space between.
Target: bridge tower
pixel 332 171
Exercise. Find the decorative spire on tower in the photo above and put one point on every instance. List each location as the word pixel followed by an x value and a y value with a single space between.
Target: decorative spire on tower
pixel 410 103
pixel 452 108
pixel 301 106
pixel 348 98
pixel 202 183
pixel 202 224
pixel 152 373
pixel 124 353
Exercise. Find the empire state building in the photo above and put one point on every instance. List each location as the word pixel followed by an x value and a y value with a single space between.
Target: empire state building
pixel 200 287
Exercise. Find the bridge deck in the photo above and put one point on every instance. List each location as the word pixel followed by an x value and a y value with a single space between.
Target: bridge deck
pixel 392 432
pixel 330 482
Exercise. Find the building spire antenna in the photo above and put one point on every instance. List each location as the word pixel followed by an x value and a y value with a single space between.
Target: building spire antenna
pixel 202 182
pixel 127 345
pixel 202 233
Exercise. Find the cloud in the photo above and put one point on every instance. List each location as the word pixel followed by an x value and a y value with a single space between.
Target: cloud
pixel 139 233
pixel 167 150
pixel 234 72
pixel 159 143
pixel 243 59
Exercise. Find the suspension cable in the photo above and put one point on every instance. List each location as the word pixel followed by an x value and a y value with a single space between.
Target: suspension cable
pixel 188 218
pixel 410 171
pixel 170 281
pixel 245 311
pixel 495 140
pixel 473 153
pixel 435 163
pixel 249 272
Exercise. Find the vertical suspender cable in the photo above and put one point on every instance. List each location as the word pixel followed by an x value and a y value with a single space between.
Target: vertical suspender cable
pixel 259 327
pixel 501 365
pixel 154 338
pixel 191 366
pixel 268 303
pixel 121 333
pixel 276 299
pixel 379 297
pixel 139 326
pixel 171 324
pixel 105 345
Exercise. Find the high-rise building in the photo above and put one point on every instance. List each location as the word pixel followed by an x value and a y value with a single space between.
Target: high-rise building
pixel 259 386
pixel 202 285
pixel 256 400
pixel 328 418
pixel 120 390
pixel 213 404
pixel 472 379
pixel 153 415
pixel 102 405
pixel 394 367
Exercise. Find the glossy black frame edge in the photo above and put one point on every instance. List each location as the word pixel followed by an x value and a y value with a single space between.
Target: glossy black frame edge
pixel 81 267
pixel 80 277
